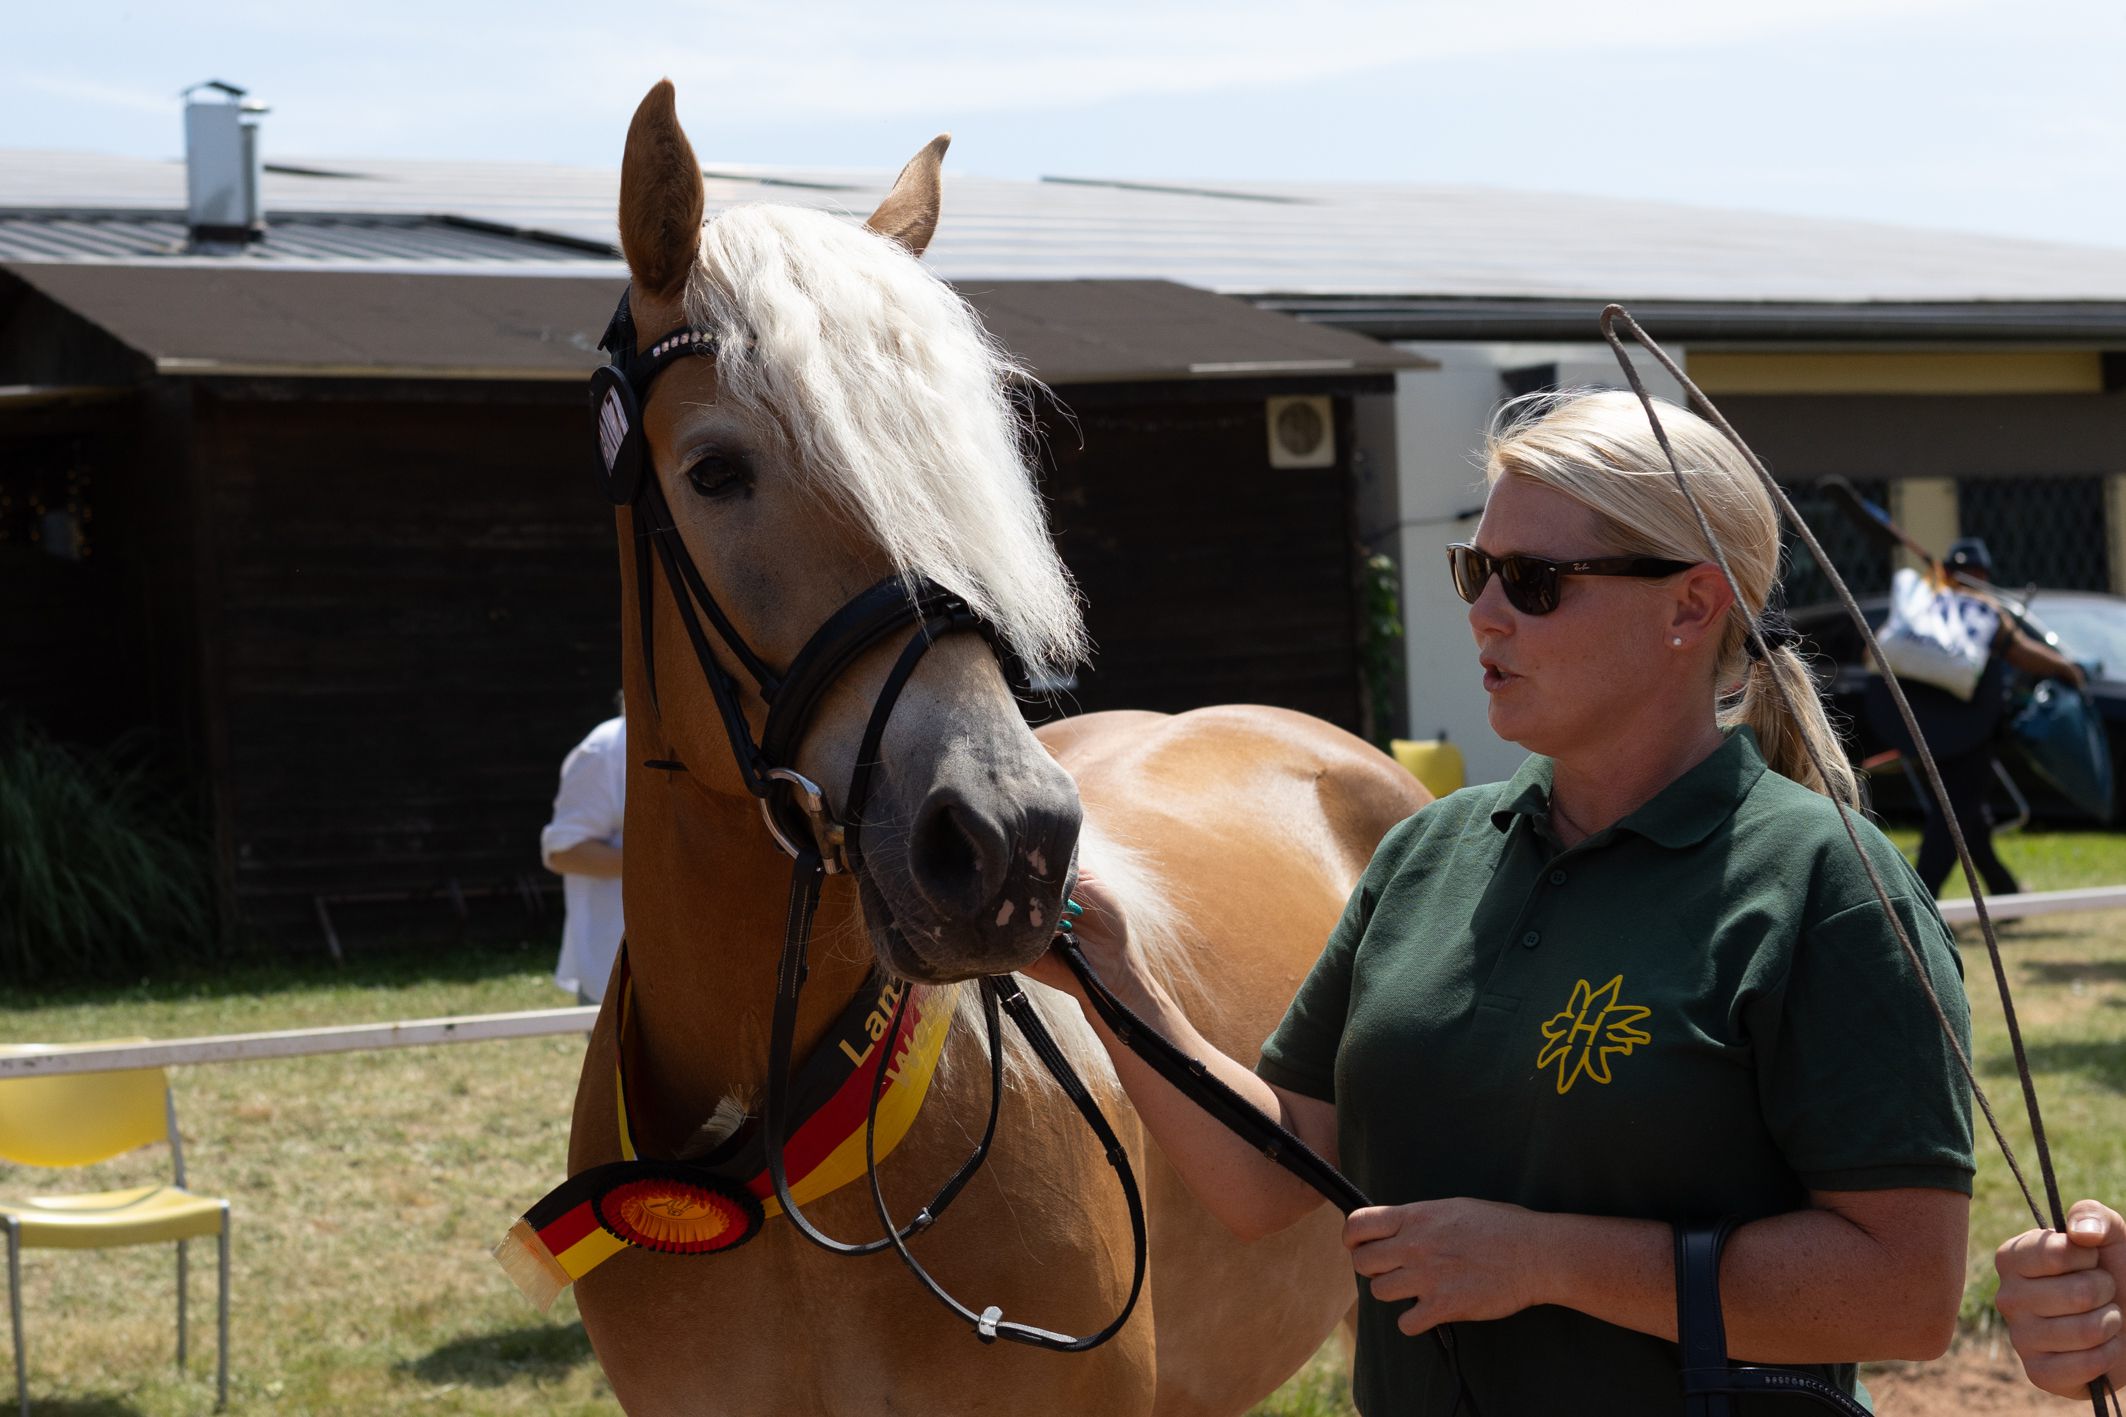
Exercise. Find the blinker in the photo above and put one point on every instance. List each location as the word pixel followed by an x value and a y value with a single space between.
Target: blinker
pixel 617 419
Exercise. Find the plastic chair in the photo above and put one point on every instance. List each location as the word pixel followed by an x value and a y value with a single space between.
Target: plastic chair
pixel 81 1119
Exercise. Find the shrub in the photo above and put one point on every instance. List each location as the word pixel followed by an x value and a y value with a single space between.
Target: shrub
pixel 104 873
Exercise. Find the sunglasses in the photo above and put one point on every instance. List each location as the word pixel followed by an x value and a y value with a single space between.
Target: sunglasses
pixel 1532 582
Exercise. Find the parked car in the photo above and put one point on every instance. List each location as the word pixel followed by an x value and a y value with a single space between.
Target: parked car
pixel 2086 626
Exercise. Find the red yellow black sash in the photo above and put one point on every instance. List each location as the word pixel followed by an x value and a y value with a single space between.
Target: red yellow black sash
pixel 721 1200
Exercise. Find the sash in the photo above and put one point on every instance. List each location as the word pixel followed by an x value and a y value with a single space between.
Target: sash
pixel 720 1200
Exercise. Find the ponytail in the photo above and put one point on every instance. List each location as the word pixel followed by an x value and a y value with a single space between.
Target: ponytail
pixel 1786 739
pixel 1598 449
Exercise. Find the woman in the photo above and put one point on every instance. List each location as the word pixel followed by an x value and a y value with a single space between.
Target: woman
pixel 1645 981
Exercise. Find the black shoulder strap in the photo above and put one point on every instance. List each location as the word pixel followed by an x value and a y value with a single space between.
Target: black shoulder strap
pixel 1700 1331
pixel 1709 1380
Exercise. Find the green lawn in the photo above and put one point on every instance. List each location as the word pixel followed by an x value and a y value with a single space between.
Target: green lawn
pixel 367 1187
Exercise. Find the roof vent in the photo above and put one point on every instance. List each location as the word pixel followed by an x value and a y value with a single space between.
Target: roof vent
pixel 222 204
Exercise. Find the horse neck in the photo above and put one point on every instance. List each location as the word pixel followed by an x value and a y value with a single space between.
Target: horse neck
pixel 706 899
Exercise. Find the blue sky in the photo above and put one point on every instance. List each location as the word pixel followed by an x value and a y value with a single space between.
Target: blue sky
pixel 1947 113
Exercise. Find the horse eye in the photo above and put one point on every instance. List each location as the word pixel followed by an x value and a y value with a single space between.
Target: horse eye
pixel 719 475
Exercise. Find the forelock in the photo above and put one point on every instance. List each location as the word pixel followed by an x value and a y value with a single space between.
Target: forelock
pixel 904 413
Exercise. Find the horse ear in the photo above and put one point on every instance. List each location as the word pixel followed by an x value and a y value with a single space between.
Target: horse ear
pixel 661 197
pixel 910 212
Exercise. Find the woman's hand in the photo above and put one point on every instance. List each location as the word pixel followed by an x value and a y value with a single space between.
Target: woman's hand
pixel 2059 1294
pixel 1102 934
pixel 1458 1259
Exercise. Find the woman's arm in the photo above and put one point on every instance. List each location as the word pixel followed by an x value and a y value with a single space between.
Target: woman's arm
pixel 2034 656
pixel 1251 1195
pixel 1861 1275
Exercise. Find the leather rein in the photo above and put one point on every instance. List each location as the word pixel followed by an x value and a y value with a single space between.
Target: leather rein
pixel 819 845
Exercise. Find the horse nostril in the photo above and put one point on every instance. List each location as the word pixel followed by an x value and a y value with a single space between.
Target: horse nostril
pixel 957 854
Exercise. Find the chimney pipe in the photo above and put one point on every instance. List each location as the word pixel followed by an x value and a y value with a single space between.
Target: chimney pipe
pixel 222 165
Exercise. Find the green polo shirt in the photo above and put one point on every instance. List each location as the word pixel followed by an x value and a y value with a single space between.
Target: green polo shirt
pixel 1699 1012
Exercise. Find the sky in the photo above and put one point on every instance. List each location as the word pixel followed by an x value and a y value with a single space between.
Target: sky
pixel 1975 115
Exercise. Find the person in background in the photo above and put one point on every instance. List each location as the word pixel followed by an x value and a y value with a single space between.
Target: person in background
pixel 1962 734
pixel 582 845
pixel 2059 1293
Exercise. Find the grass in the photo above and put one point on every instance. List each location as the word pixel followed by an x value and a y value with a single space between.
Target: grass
pixel 367 1187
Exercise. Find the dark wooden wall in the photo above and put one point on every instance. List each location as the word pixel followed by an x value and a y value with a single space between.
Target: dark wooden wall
pixel 1210 577
pixel 397 610
pixel 413 615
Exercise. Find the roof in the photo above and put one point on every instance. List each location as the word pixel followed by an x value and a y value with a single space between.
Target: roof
pixel 297 238
pixel 233 318
pixel 1399 241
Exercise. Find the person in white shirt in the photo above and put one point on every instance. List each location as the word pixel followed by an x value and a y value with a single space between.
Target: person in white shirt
pixel 582 844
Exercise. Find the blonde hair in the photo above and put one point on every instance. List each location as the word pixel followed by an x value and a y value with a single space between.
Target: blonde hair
pixel 900 406
pixel 1599 449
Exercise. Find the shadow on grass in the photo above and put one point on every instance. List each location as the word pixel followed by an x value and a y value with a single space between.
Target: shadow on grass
pixel 2101 1061
pixel 2075 971
pixel 540 1351
pixel 79 1406
pixel 262 971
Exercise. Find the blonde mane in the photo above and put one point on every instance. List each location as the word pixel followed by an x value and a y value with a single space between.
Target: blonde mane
pixel 900 406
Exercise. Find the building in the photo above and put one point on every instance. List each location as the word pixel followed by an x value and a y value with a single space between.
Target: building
pixel 373 396
pixel 318 506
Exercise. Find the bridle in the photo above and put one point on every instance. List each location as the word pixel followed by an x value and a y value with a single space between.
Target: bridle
pixel 1709 1378
pixel 796 811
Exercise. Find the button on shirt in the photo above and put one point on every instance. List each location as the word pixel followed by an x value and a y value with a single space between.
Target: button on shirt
pixel 591 805
pixel 1698 1012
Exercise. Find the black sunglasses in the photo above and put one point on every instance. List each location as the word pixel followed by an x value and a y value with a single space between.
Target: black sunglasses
pixel 1532 582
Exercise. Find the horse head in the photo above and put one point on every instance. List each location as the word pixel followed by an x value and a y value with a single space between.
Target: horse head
pixel 856 422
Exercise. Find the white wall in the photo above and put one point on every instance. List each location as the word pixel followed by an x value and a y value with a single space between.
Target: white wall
pixel 1440 418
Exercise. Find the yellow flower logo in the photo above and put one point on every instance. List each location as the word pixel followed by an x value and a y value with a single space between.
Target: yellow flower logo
pixel 1593 1026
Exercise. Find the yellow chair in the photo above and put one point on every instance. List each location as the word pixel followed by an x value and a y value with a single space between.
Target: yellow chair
pixel 80 1119
pixel 1433 761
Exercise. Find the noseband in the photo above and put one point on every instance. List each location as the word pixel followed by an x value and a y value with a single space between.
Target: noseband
pixel 796 811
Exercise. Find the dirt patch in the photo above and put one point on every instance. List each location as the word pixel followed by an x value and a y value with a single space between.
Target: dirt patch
pixel 1979 1378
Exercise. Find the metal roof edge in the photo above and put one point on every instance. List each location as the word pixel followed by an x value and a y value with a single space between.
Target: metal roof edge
pixel 2089 322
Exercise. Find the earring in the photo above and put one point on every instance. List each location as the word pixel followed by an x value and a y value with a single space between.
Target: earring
pixel 1676 640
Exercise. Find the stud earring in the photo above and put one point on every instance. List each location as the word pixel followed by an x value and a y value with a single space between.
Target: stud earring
pixel 1676 640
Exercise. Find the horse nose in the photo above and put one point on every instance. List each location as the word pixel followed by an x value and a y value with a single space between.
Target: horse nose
pixel 958 854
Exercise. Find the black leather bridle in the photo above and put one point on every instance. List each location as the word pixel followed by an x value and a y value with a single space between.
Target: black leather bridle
pixel 796 811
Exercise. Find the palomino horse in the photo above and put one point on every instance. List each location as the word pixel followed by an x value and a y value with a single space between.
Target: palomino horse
pixel 855 422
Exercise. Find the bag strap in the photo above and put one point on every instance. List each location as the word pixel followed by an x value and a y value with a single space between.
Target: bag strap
pixel 1700 1330
pixel 1709 1380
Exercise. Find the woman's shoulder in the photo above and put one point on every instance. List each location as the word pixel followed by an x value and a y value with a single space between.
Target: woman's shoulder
pixel 1445 825
pixel 1797 828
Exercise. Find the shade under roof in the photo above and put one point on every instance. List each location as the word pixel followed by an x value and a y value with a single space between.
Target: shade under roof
pixel 213 320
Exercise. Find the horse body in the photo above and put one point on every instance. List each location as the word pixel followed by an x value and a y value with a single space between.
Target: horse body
pixel 1256 822
pixel 1232 835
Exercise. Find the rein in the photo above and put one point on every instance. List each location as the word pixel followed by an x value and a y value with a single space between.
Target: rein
pixel 1707 1367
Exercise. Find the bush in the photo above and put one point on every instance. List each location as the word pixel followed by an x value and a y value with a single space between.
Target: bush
pixel 104 875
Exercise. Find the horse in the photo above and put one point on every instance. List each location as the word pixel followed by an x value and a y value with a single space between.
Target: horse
pixel 856 422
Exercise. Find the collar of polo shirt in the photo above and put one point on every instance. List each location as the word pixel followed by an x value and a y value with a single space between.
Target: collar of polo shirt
pixel 1681 814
